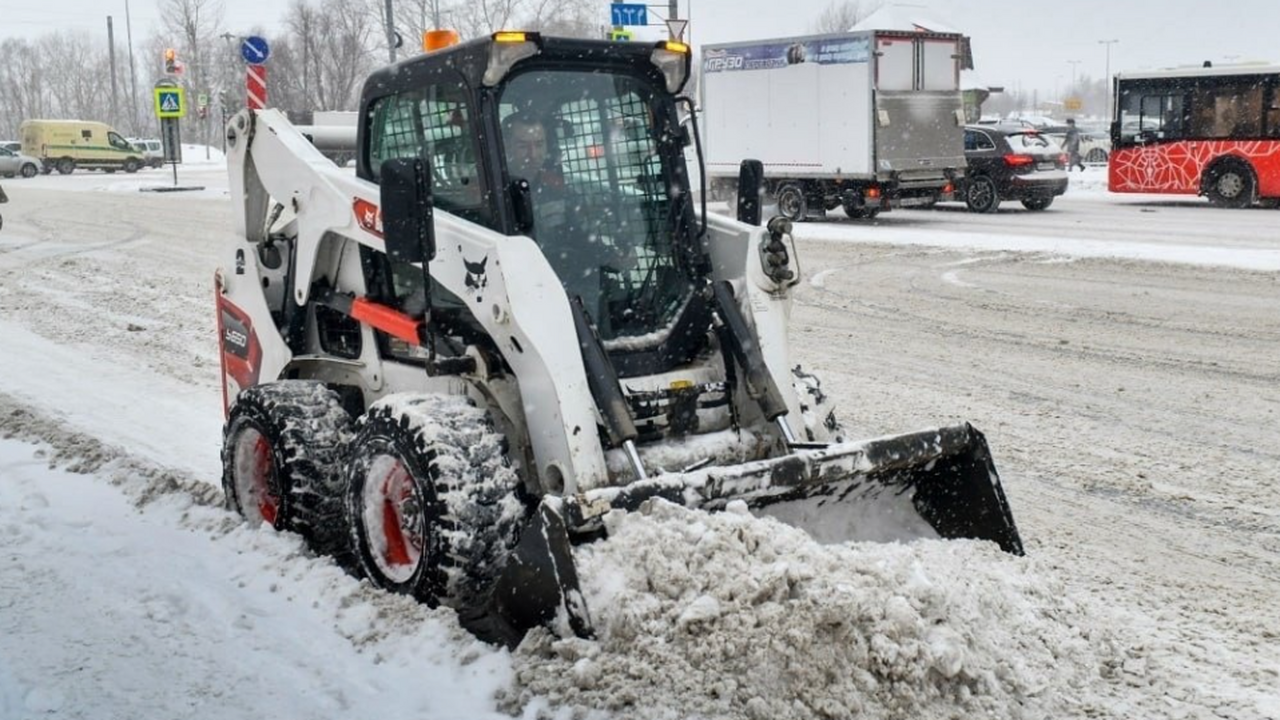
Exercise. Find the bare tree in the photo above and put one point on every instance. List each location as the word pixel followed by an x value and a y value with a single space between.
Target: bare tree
pixel 327 51
pixel 22 93
pixel 841 15
pixel 566 18
pixel 194 26
pixel 481 17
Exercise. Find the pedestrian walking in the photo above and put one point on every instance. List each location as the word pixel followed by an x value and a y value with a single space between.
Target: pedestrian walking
pixel 1073 146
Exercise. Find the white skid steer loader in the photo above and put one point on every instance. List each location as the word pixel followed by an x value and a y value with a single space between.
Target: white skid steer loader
pixel 446 368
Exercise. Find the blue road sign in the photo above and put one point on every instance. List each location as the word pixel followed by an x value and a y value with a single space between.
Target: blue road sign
pixel 254 50
pixel 623 14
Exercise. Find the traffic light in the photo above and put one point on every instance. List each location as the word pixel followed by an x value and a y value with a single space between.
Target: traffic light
pixel 170 60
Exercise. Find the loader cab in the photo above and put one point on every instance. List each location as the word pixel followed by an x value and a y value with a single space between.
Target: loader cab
pixel 576 144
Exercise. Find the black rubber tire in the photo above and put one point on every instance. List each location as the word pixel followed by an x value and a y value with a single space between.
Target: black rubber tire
pixel 459 510
pixel 981 194
pixel 1037 203
pixel 1096 155
pixel 817 411
pixel 29 170
pixel 860 212
pixel 131 166
pixel 306 429
pixel 792 204
pixel 1230 185
pixel 66 166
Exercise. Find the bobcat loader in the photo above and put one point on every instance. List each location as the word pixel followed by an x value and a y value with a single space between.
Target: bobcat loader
pixel 446 368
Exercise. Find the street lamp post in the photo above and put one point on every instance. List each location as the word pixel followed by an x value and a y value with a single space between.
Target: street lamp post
pixel 1110 90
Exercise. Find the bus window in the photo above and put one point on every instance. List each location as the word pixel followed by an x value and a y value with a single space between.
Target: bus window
pixel 1225 111
pixel 1150 116
pixel 1272 128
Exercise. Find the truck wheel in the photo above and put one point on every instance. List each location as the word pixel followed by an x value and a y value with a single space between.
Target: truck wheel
pixel 816 408
pixel 29 170
pixel 432 500
pixel 1096 155
pixel 131 166
pixel 281 458
pixel 66 166
pixel 860 211
pixel 1037 203
pixel 792 204
pixel 981 195
pixel 1230 184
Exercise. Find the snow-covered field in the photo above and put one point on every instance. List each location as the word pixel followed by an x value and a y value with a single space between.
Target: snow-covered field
pixel 1120 353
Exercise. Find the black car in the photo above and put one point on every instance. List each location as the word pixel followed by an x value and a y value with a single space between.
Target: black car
pixel 1010 163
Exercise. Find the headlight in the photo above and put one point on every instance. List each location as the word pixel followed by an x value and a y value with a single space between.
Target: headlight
pixel 673 59
pixel 508 49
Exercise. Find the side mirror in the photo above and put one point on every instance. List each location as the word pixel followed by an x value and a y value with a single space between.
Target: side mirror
pixel 750 180
pixel 522 199
pixel 407 223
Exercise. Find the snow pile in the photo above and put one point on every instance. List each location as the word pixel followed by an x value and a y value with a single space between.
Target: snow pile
pixel 730 616
pixel 187 611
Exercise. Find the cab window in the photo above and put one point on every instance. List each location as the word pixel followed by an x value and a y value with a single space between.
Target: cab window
pixel 433 123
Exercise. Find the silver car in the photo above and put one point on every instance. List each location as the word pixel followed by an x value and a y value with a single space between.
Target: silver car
pixel 15 163
pixel 152 151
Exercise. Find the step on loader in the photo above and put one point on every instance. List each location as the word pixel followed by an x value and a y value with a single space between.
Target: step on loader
pixel 446 368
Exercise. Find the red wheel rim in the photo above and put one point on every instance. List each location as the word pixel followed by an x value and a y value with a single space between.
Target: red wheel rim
pixel 393 519
pixel 255 477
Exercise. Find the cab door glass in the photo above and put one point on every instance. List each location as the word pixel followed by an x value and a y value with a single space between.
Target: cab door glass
pixel 435 124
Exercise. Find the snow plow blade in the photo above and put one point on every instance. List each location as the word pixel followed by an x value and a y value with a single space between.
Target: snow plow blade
pixel 537 586
pixel 937 483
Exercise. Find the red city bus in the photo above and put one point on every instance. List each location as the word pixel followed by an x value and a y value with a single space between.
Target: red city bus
pixel 1212 131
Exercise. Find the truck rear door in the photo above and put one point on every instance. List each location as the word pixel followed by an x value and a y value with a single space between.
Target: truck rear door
pixel 918 105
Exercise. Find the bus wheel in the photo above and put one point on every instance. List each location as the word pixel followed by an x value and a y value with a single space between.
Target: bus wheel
pixel 1230 185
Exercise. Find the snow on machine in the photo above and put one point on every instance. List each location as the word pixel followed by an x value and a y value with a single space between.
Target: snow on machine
pixel 447 368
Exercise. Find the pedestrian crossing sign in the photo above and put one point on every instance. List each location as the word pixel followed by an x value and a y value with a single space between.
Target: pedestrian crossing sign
pixel 170 102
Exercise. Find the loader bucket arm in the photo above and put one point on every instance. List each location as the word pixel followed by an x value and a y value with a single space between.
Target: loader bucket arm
pixel 940 483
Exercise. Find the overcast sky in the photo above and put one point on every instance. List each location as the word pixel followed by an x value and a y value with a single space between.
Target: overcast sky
pixel 1016 43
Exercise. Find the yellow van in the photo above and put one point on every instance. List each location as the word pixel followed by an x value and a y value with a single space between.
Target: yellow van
pixel 65 145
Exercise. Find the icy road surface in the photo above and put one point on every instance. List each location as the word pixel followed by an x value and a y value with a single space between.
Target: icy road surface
pixel 1120 353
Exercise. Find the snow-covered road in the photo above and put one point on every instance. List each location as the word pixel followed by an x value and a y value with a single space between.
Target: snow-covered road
pixel 1119 353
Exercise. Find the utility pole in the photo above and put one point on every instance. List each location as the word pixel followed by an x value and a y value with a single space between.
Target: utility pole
pixel 133 74
pixel 111 56
pixel 1073 64
pixel 228 80
pixel 391 33
pixel 1110 86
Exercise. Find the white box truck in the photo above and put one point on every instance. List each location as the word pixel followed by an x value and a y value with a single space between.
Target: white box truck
pixel 865 120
